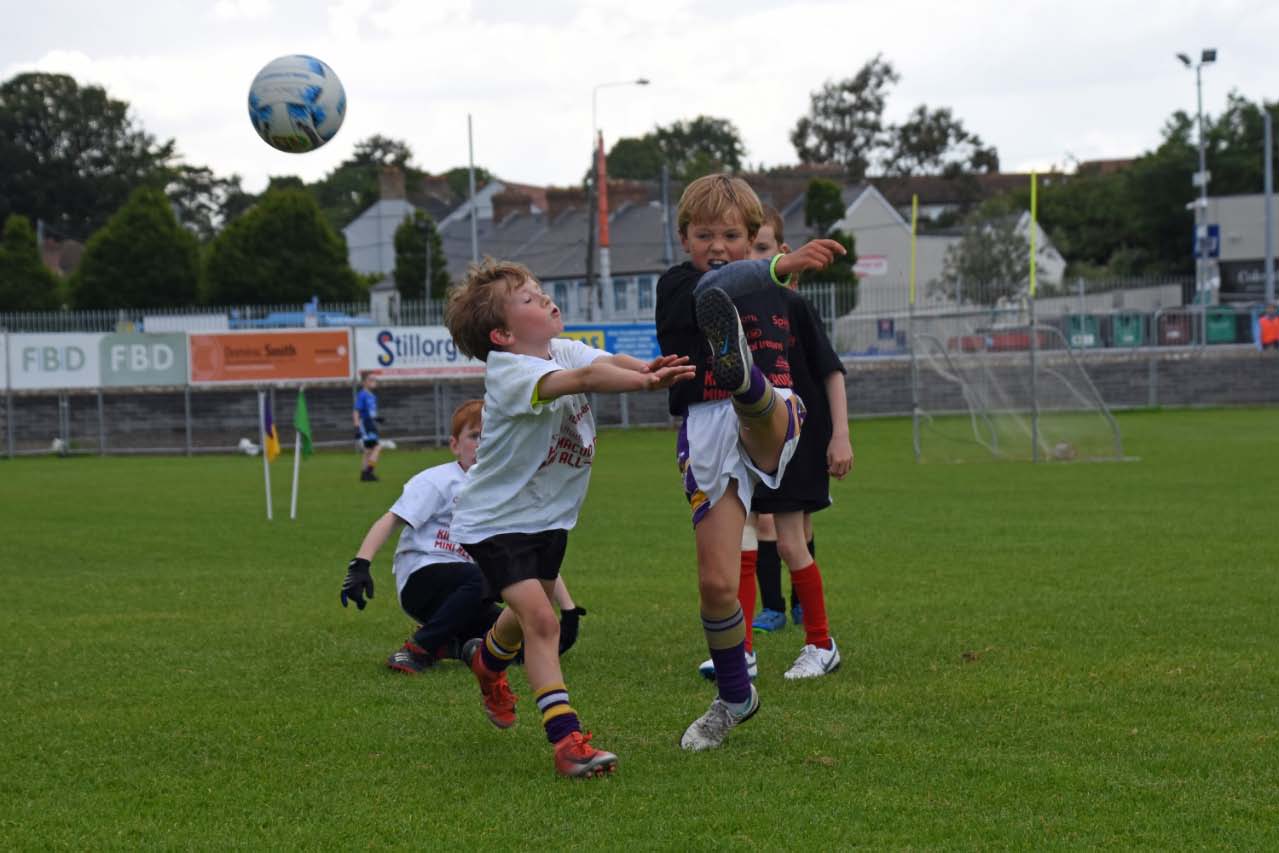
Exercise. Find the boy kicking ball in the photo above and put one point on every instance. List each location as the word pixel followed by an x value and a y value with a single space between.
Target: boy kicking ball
pixel 741 423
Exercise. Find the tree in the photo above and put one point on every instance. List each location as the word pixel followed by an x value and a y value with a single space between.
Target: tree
pixel 26 284
pixel 410 257
pixel 203 201
pixel 635 158
pixel 934 142
pixel 845 121
pixel 701 146
pixel 690 149
pixel 70 155
pixel 281 251
pixel 823 205
pixel 990 262
pixel 142 258
pixel 380 150
pixel 459 180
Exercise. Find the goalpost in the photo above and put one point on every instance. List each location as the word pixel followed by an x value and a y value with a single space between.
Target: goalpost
pixel 991 382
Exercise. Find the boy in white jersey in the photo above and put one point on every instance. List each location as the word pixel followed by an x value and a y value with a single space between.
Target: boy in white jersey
pixel 449 600
pixel 524 492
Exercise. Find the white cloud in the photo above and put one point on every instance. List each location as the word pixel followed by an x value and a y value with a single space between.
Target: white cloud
pixel 242 10
pixel 1038 81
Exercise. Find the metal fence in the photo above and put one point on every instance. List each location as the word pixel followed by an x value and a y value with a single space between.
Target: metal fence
pixel 829 300
pixel 189 421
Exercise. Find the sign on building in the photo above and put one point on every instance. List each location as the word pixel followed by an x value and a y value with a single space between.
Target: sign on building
pixel 412 351
pixel 870 265
pixel 48 361
pixel 131 361
pixel 284 356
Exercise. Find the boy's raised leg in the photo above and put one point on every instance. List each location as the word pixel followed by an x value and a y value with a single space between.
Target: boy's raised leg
pixel 768 420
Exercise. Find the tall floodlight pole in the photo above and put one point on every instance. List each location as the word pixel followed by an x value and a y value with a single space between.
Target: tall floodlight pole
pixel 1270 206
pixel 599 230
pixel 1206 57
pixel 475 228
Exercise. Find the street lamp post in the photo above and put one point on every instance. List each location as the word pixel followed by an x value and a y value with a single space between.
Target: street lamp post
pixel 597 230
pixel 1206 57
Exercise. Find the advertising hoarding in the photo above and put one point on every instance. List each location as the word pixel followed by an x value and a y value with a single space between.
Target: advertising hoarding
pixel 411 351
pixel 282 356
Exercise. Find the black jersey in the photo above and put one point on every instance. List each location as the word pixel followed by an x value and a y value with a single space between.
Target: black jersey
pixel 806 484
pixel 765 319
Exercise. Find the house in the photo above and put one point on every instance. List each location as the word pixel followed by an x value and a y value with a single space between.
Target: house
pixel 547 229
pixel 883 245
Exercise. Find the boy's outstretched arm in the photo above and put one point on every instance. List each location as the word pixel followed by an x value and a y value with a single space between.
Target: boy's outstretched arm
pixel 602 376
pixel 740 277
pixel 359 580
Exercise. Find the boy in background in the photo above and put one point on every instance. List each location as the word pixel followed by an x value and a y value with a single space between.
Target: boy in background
pixel 366 426
pixel 741 423
pixel 824 451
pixel 525 491
pixel 436 582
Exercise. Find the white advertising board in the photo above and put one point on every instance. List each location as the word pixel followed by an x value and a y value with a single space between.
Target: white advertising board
pixel 48 361
pixel 411 351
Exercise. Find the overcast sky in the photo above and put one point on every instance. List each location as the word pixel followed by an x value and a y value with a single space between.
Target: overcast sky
pixel 1047 83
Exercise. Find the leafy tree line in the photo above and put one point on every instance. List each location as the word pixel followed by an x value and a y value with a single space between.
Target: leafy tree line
pixel 160 232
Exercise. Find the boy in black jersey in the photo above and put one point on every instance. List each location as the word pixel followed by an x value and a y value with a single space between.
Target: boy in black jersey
pixel 741 422
pixel 824 450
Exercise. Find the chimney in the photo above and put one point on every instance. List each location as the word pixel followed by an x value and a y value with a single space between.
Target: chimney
pixel 391 183
pixel 560 199
pixel 507 202
pixel 622 192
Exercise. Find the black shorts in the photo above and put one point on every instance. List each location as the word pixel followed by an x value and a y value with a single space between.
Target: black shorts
pixel 370 442
pixel 430 586
pixel 508 558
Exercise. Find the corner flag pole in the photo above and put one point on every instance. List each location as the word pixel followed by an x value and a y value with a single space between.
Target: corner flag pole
pixel 1034 332
pixel 297 461
pixel 266 464
pixel 914 365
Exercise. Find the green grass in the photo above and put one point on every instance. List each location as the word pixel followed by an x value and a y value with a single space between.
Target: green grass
pixel 1034 656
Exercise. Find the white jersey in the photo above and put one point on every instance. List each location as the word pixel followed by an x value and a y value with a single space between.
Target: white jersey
pixel 534 460
pixel 426 505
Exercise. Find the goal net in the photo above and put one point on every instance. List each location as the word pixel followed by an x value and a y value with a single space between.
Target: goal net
pixel 988 384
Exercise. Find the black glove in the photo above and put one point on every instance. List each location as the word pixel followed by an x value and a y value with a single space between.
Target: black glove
pixel 358 583
pixel 359 433
pixel 380 419
pixel 568 627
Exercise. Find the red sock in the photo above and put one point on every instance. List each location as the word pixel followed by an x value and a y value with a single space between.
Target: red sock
pixel 746 591
pixel 808 586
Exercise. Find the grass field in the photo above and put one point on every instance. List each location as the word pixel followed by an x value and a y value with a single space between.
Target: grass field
pixel 1042 656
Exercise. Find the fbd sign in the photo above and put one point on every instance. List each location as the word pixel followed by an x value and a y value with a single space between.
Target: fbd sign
pixel 53 361
pixel 131 361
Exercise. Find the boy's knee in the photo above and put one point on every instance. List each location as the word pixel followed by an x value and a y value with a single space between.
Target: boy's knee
pixel 718 591
pixel 542 624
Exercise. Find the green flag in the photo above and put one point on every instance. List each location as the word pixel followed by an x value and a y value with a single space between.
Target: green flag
pixel 302 423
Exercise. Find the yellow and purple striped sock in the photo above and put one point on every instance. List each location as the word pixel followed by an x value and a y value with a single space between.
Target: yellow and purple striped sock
pixel 726 638
pixel 558 717
pixel 498 655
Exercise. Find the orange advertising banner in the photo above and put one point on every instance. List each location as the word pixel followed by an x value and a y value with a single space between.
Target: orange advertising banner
pixel 287 355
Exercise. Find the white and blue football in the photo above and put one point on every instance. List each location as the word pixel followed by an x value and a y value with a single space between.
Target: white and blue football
pixel 296 103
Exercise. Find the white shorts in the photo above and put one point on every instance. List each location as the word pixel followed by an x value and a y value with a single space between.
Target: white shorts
pixel 710 453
